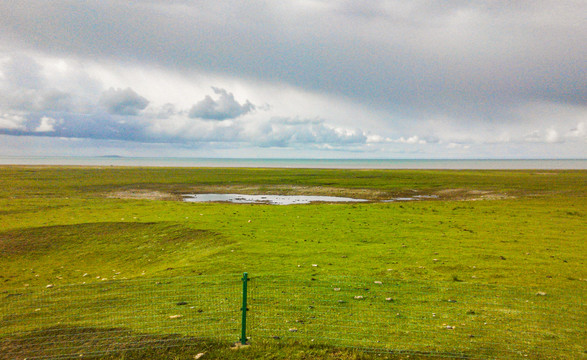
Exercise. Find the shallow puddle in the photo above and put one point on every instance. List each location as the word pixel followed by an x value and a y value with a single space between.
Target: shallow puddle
pixel 413 198
pixel 285 199
pixel 266 199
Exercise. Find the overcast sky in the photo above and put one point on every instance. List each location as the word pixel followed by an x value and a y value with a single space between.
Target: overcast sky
pixel 296 78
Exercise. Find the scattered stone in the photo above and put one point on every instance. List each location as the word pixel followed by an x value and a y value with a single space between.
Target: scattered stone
pixel 315 265
pixel 175 316
pixel 336 289
pixel 378 282
pixel 293 330
pixel 344 256
pixel 434 259
pixel 341 301
pixel 540 293
pixel 37 310
pixel 359 297
pixel 237 345
pixel 50 286
pixel 448 327
pixel 249 221
pixel 389 299
pixel 452 301
pixel 182 303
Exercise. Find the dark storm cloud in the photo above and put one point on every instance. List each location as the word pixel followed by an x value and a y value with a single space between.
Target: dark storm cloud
pixel 123 101
pixel 225 107
pixel 94 126
pixel 469 59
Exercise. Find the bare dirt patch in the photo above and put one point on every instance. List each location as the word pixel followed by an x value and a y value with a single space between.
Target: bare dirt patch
pixel 470 195
pixel 141 194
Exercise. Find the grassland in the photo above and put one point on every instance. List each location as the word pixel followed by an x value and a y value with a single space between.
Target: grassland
pixel 68 225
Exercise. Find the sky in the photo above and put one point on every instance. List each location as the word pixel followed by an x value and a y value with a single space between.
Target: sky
pixel 462 79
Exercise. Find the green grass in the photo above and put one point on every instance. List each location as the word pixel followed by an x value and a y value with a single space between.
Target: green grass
pixel 73 225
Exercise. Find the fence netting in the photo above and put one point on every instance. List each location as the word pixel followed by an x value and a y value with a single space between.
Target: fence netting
pixel 113 316
pixel 441 319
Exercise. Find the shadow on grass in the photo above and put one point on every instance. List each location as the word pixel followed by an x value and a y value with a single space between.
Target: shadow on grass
pixel 109 343
pixel 118 343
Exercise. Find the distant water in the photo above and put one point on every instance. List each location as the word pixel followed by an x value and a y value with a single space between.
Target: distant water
pixel 489 164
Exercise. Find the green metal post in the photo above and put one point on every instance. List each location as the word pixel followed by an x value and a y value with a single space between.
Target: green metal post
pixel 244 309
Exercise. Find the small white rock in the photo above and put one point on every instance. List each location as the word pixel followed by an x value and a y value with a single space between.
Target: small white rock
pixel 175 316
pixel 359 297
pixel 50 286
pixel 336 289
pixel 378 282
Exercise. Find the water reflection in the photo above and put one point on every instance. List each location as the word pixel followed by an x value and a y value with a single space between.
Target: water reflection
pixel 266 199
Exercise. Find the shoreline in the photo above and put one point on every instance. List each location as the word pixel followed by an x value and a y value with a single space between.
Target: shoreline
pixel 355 164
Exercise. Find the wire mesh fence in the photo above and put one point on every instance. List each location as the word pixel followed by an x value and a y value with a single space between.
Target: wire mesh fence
pixel 442 319
pixel 102 317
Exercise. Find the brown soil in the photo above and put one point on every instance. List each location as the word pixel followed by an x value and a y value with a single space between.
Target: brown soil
pixel 141 194
pixel 469 195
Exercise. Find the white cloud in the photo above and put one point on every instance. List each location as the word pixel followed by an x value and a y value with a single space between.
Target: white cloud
pixel 12 122
pixel 411 140
pixel 458 146
pixel 552 136
pixel 47 124
pixel 578 132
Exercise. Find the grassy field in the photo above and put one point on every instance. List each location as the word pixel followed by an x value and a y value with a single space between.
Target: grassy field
pixel 503 229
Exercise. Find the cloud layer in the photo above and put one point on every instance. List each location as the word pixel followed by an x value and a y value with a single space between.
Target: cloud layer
pixel 387 76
